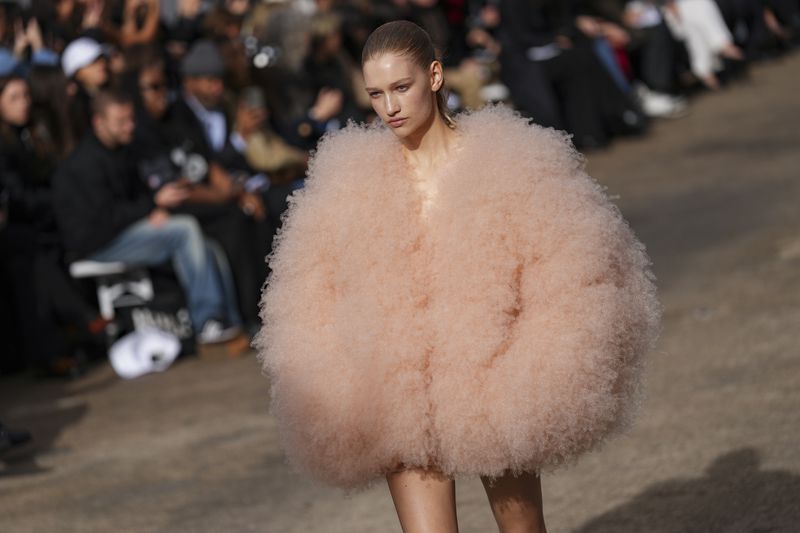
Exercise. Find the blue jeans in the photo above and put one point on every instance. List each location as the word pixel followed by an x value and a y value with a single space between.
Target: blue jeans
pixel 181 240
pixel 604 51
pixel 228 285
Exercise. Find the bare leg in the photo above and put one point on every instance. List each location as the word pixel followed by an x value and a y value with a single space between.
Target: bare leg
pixel 516 503
pixel 425 501
pixel 710 81
pixel 731 51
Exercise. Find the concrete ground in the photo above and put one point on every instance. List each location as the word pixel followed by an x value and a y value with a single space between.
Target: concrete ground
pixel 715 198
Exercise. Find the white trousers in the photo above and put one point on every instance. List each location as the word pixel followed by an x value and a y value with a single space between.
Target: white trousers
pixel 704 31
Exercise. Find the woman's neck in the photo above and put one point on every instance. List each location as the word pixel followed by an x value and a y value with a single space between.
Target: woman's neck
pixel 425 151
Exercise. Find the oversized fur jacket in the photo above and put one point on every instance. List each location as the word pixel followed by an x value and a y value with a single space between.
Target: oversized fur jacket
pixel 503 330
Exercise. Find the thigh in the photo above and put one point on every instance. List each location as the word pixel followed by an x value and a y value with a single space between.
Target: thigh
pixel 145 244
pixel 425 501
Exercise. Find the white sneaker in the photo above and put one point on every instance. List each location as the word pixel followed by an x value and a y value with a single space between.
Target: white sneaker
pixel 660 105
pixel 214 332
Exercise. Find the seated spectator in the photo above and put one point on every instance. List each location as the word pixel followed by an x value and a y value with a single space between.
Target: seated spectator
pixel 21 45
pixel 106 214
pixel 554 76
pixel 782 18
pixel 50 112
pixel 265 151
pixel 327 66
pixel 223 24
pixel 85 64
pixel 185 25
pixel 657 57
pixel 42 295
pixel 634 43
pixel 762 28
pixel 137 24
pixel 192 138
pixel 700 25
pixel 63 21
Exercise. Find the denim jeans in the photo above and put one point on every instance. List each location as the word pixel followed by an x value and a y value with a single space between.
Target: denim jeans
pixel 605 53
pixel 234 317
pixel 181 240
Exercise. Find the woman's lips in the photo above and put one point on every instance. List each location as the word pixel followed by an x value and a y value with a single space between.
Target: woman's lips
pixel 397 122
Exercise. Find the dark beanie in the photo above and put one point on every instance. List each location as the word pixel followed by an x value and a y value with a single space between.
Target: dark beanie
pixel 203 59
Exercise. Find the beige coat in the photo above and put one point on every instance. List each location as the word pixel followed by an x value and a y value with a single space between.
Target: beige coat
pixel 502 330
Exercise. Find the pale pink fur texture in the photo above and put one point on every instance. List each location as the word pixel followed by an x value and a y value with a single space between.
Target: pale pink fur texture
pixel 503 331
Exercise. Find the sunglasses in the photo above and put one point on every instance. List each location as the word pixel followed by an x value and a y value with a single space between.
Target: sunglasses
pixel 154 87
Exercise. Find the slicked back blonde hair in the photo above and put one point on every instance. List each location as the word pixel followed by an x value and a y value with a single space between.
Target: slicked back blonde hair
pixel 407 39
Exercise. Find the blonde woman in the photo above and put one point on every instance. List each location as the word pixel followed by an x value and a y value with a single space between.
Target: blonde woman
pixel 449 297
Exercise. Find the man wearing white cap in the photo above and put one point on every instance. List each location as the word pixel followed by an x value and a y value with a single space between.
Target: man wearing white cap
pixel 84 63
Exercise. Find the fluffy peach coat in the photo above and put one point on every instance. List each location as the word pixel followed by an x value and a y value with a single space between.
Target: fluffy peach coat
pixel 503 330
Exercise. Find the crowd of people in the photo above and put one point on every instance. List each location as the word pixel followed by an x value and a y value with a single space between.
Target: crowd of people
pixel 155 132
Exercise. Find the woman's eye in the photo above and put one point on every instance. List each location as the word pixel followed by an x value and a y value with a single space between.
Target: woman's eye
pixel 402 88
pixel 374 95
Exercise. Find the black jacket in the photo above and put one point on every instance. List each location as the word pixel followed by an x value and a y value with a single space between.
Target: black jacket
pixel 97 194
pixel 26 177
pixel 528 23
pixel 183 128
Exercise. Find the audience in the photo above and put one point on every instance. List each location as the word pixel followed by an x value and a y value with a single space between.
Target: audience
pixel 555 77
pixel 106 214
pixel 41 290
pixel 85 64
pixel 228 196
pixel 153 131
pixel 699 24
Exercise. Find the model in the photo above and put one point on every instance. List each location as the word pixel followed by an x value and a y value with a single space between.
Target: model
pixel 450 297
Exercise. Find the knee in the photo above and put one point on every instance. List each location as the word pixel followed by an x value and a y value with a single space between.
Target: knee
pixel 183 230
pixel 185 225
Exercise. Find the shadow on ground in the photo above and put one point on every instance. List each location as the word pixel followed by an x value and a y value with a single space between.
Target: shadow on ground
pixel 46 410
pixel 735 495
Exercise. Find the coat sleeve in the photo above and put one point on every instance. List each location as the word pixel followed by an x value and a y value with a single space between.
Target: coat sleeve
pixel 587 308
pixel 300 292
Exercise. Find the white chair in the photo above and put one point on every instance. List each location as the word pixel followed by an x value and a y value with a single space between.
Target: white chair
pixel 118 284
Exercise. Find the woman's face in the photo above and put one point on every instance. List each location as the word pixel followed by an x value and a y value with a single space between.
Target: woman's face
pixel 153 88
pixel 15 103
pixel 402 94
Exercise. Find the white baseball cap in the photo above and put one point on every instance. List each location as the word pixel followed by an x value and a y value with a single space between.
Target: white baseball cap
pixel 80 53
pixel 144 351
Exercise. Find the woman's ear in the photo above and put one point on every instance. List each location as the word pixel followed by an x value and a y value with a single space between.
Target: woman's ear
pixel 437 76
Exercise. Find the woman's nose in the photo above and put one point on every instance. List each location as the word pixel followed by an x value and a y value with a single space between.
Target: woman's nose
pixel 392 106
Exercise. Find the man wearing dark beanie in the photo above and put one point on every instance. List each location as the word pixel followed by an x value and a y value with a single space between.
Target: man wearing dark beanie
pixel 226 197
